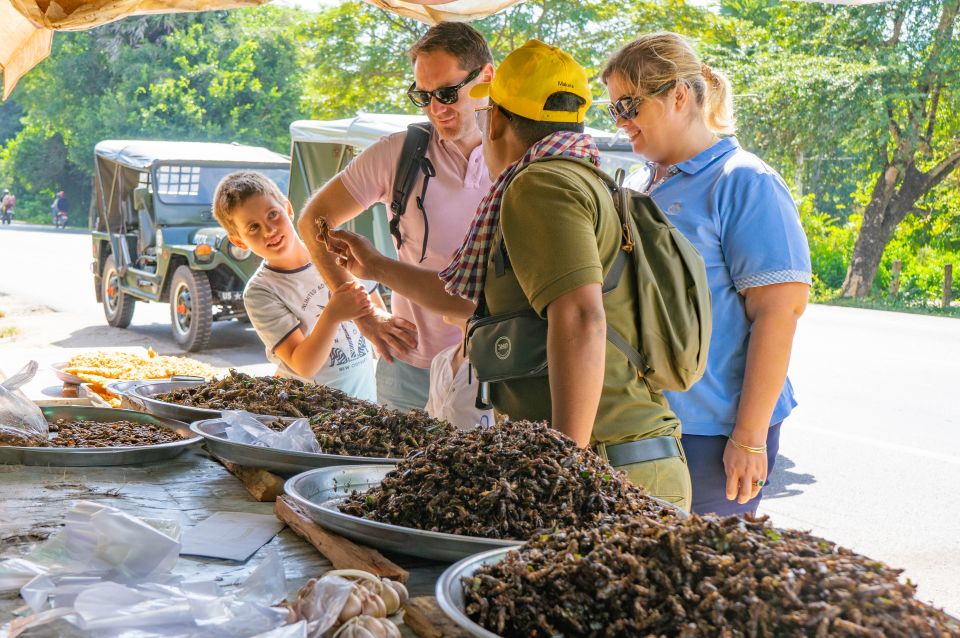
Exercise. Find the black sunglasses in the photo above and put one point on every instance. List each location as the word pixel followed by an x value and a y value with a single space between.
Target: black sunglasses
pixel 626 108
pixel 444 95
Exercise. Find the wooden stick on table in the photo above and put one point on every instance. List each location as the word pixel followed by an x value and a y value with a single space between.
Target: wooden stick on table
pixel 424 617
pixel 343 553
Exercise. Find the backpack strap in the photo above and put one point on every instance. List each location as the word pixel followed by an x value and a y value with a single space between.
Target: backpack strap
pixel 413 160
pixel 615 187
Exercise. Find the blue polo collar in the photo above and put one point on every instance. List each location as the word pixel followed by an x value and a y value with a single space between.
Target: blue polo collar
pixel 699 162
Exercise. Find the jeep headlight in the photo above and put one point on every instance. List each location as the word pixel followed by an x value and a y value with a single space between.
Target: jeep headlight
pixel 239 254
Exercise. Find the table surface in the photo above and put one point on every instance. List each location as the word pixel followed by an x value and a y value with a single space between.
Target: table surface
pixel 187 489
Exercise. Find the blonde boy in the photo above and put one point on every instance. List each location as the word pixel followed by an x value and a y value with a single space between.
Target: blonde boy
pixel 307 329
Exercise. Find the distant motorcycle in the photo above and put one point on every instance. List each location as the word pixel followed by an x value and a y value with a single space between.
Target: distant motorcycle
pixel 61 219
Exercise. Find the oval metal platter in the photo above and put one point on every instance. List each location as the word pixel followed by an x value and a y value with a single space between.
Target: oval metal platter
pixel 100 456
pixel 283 462
pixel 319 492
pixel 449 590
pixel 142 393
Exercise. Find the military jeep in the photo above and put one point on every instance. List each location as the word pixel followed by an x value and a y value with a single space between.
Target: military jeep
pixel 154 236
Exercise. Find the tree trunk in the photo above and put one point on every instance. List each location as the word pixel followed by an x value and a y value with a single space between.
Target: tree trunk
pixel 867 253
pixel 888 206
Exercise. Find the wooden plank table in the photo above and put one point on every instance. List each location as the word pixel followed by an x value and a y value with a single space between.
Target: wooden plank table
pixel 188 489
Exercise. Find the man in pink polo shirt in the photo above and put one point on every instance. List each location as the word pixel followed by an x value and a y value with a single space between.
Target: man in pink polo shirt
pixel 448 60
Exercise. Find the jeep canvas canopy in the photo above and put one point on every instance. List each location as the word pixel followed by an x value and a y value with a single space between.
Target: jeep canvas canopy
pixel 120 165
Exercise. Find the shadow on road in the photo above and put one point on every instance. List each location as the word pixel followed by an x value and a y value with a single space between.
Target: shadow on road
pixel 231 344
pixel 783 483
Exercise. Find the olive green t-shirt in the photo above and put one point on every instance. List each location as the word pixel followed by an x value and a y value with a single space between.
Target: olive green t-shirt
pixel 561 232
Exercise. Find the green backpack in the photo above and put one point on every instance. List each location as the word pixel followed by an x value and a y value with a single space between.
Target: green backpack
pixel 673 305
pixel 673 294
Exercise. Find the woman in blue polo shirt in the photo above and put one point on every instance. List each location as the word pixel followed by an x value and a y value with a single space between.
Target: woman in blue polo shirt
pixel 740 215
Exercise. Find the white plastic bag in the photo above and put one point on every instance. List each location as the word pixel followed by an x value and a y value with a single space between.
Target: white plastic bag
pixel 243 427
pixel 21 421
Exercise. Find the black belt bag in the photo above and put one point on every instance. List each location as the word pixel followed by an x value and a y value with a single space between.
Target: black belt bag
pixel 513 345
pixel 508 346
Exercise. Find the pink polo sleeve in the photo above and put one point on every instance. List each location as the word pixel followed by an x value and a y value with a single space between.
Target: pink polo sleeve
pixel 369 176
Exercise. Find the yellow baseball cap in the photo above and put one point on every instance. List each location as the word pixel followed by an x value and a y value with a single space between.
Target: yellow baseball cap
pixel 531 74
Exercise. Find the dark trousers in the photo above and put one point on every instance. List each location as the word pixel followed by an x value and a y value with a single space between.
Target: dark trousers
pixel 709 479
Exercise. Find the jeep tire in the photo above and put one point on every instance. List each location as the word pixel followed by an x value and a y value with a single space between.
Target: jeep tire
pixel 118 306
pixel 191 308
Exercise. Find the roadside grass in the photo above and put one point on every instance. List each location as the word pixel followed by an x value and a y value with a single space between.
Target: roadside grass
pixel 8 331
pixel 882 303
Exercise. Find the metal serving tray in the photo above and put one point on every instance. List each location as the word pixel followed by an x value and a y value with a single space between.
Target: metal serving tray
pixel 283 462
pixel 82 457
pixel 319 492
pixel 142 393
pixel 449 590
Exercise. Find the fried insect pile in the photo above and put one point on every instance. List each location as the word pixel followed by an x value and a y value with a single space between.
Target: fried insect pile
pixel 375 431
pixel 697 577
pixel 512 481
pixel 262 395
pixel 83 434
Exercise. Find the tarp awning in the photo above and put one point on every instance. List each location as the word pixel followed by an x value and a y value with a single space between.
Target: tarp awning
pixel 27 26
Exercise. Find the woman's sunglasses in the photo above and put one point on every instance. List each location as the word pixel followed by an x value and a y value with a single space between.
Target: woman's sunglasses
pixel 625 108
pixel 444 95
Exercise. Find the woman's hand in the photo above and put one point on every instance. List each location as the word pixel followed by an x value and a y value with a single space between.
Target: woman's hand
pixel 746 471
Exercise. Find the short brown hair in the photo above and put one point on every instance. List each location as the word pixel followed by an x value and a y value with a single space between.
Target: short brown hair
pixel 458 39
pixel 235 189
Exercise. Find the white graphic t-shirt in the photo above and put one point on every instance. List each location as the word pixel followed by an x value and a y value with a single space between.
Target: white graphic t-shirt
pixel 281 301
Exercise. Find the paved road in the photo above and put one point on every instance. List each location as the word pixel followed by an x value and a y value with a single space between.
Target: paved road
pixel 51 269
pixel 870 458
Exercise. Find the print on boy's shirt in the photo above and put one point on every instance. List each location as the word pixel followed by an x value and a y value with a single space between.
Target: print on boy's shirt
pixel 339 356
pixel 282 301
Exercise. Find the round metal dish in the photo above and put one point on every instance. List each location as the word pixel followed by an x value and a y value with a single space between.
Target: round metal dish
pixel 142 393
pixel 82 457
pixel 283 462
pixel 66 377
pixel 319 492
pixel 449 590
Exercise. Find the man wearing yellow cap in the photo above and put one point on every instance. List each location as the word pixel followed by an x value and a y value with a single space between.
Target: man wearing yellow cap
pixel 543 240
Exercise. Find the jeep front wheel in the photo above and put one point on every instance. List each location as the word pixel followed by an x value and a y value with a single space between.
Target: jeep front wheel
pixel 191 308
pixel 118 307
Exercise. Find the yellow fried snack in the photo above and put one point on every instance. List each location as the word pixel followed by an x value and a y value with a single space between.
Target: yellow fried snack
pixel 100 368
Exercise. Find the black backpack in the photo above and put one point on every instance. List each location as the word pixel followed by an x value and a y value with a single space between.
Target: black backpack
pixel 413 161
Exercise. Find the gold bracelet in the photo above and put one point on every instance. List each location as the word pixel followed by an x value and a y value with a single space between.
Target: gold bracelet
pixel 748 448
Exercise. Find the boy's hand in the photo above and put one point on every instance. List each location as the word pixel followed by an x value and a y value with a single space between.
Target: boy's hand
pixel 389 335
pixel 348 302
pixel 354 252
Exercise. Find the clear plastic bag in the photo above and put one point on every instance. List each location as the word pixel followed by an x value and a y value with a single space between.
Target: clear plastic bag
pixel 99 540
pixel 243 427
pixel 21 421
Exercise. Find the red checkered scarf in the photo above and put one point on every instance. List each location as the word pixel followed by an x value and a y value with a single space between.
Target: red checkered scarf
pixel 464 275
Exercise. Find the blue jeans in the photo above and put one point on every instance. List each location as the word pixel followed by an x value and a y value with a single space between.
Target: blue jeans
pixel 401 386
pixel 705 460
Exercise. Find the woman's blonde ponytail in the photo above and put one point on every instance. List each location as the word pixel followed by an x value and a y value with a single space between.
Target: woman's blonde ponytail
pixel 718 102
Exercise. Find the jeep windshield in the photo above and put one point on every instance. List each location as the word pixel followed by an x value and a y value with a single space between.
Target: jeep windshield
pixel 186 184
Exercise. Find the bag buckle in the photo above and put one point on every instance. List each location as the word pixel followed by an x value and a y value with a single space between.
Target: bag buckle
pixel 627 240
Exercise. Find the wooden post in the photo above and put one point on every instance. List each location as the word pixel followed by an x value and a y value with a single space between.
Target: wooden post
pixel 895 279
pixel 947 285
